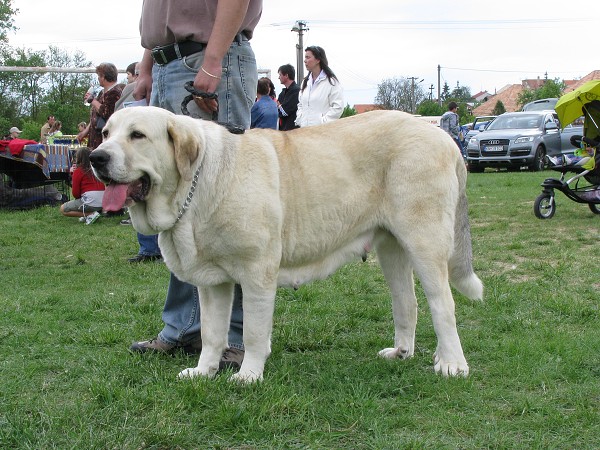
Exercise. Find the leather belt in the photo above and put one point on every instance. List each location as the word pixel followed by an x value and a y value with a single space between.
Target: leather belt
pixel 166 54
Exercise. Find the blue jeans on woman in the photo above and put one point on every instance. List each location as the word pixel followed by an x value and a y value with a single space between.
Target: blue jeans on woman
pixel 237 92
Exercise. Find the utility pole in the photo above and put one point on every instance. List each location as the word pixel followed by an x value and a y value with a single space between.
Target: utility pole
pixel 439 86
pixel 412 93
pixel 299 27
pixel 431 92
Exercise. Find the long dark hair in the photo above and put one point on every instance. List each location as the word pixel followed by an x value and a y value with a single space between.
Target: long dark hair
pixel 82 159
pixel 319 53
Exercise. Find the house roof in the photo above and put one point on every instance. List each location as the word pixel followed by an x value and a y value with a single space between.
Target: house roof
pixel 363 108
pixel 508 95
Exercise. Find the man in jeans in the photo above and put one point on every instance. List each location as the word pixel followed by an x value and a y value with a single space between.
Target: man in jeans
pixel 207 42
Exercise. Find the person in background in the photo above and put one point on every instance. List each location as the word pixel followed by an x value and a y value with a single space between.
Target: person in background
pixel 81 126
pixel 88 191
pixel 46 129
pixel 55 132
pixel 127 94
pixel 449 123
pixel 321 97
pixel 287 102
pixel 103 106
pixel 209 43
pixel 264 111
pixel 14 133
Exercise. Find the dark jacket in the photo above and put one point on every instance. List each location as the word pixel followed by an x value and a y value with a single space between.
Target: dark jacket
pixel 288 99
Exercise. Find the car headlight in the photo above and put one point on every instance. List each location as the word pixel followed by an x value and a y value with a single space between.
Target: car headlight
pixel 523 139
pixel 473 141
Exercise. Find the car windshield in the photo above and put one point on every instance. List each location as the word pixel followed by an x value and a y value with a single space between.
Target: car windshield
pixel 524 121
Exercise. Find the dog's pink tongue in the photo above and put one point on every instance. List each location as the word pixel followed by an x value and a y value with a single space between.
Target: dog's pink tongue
pixel 115 196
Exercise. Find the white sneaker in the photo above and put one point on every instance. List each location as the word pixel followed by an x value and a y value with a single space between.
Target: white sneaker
pixel 82 219
pixel 92 218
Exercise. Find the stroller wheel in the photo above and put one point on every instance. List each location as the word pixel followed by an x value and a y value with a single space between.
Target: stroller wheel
pixel 544 206
pixel 594 208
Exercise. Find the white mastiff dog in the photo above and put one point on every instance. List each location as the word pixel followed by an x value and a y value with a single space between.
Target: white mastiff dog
pixel 269 208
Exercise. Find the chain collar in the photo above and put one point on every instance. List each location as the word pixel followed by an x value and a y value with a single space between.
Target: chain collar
pixel 188 199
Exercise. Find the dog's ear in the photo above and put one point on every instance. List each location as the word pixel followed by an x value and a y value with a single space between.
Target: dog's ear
pixel 186 142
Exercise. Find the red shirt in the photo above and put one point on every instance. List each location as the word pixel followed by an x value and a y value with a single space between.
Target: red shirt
pixel 84 182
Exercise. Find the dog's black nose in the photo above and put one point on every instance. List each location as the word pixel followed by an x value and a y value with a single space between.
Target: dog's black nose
pixel 99 158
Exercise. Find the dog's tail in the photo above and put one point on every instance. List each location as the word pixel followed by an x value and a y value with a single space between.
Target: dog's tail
pixel 460 265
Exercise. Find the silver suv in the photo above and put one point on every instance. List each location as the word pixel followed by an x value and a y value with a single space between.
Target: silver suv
pixel 514 140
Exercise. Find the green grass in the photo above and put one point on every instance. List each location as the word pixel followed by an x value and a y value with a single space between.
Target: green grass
pixel 71 306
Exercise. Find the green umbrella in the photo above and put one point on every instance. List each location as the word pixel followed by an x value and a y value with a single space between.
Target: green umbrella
pixel 570 106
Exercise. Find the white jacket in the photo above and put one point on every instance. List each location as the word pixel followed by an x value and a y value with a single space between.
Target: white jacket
pixel 320 102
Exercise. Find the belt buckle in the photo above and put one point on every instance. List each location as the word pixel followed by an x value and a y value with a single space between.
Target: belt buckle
pixel 159 57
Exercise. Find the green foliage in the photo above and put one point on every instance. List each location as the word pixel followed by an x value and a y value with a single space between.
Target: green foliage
pixel 7 13
pixel 348 111
pixel 499 108
pixel 430 108
pixel 550 89
pixel 71 306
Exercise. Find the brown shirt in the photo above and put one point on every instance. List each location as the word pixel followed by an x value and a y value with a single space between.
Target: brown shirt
pixel 165 22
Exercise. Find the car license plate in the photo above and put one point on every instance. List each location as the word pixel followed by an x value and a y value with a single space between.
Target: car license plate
pixel 494 148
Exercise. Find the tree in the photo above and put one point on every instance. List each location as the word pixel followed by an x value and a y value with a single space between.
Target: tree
pixel 6 19
pixel 550 89
pixel 430 108
pixel 400 94
pixel 498 108
pixel 348 111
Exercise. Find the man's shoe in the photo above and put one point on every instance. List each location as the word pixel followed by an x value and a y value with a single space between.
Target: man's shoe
pixel 158 346
pixel 125 222
pixel 144 258
pixel 232 359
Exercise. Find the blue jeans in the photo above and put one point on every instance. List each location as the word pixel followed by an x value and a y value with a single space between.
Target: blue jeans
pixel 148 245
pixel 237 92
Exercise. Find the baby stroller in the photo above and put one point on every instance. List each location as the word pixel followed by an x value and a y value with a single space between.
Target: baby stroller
pixel 584 184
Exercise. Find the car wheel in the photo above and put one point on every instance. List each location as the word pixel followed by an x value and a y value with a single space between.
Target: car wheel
pixel 595 208
pixel 544 206
pixel 539 160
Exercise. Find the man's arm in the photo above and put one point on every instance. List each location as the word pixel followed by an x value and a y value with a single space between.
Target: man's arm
pixel 229 17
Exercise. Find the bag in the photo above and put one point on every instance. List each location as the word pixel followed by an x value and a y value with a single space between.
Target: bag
pixel 100 122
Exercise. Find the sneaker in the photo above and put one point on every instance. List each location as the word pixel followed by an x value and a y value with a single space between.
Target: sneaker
pixel 232 359
pixel 125 222
pixel 82 219
pixel 158 346
pixel 92 218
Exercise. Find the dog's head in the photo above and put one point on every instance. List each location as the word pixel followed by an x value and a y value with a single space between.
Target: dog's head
pixel 145 155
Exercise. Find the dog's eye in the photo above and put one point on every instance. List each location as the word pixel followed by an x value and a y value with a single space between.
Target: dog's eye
pixel 136 135
pixel 105 133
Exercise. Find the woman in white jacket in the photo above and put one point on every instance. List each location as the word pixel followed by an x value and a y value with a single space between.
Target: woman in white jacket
pixel 321 98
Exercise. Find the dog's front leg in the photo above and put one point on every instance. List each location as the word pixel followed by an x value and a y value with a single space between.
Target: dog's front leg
pixel 215 313
pixel 259 305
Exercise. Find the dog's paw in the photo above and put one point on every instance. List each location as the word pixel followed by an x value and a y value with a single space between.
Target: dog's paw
pixel 246 377
pixel 395 352
pixel 192 372
pixel 450 368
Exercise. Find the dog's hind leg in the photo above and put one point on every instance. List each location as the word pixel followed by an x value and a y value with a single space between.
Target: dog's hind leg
pixel 215 314
pixel 398 273
pixel 431 266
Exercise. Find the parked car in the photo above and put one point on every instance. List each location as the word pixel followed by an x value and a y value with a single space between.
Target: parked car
pixel 479 124
pixel 514 140
pixel 543 104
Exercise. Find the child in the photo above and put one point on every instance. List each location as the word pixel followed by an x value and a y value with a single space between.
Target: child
pixel 87 190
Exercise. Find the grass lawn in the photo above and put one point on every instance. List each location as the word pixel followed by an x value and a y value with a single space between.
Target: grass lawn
pixel 71 305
